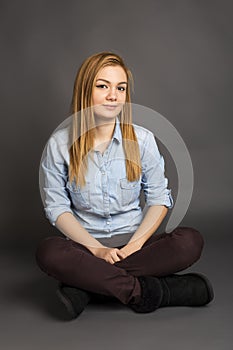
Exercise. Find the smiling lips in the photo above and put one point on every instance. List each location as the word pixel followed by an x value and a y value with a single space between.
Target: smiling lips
pixel 110 106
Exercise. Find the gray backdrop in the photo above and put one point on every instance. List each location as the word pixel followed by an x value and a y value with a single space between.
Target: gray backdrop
pixel 180 53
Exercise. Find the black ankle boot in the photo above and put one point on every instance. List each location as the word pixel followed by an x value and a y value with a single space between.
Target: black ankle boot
pixel 151 297
pixel 74 299
pixel 191 289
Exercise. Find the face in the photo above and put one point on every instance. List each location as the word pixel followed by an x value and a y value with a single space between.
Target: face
pixel 109 92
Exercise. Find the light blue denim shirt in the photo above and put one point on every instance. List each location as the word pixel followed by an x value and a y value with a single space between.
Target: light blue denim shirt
pixel 108 204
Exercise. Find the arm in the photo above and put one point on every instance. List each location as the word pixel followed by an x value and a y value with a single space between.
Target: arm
pixel 71 228
pixel 157 196
pixel 57 204
pixel 150 223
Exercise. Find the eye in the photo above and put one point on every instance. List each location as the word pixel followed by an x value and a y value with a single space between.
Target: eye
pixel 101 86
pixel 121 88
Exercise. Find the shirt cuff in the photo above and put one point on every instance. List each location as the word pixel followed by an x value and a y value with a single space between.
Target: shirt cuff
pixel 166 200
pixel 52 214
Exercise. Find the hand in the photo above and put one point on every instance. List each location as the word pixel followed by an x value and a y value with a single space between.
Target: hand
pixel 130 248
pixel 111 255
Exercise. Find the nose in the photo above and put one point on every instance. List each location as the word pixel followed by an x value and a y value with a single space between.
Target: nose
pixel 112 96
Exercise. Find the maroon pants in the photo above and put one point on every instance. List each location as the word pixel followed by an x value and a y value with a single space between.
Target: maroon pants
pixel 161 255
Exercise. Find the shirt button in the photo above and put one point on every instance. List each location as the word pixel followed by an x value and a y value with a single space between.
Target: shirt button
pixel 108 222
pixel 103 173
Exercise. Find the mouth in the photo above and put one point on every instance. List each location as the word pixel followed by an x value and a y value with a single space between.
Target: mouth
pixel 110 106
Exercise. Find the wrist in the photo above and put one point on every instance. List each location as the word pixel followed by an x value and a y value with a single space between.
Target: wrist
pixel 137 243
pixel 94 250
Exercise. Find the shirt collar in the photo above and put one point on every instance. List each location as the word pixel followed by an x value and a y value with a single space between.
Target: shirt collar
pixel 117 131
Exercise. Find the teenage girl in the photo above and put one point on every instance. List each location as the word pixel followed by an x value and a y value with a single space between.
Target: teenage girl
pixel 92 174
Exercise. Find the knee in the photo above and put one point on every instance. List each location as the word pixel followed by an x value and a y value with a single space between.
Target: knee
pixel 44 252
pixel 191 243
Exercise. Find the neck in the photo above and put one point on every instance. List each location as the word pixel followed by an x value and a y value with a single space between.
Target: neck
pixel 104 129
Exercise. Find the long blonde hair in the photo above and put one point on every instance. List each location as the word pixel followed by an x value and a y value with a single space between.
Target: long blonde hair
pixel 83 124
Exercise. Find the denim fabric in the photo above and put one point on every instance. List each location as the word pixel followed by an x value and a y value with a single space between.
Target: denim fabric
pixel 108 204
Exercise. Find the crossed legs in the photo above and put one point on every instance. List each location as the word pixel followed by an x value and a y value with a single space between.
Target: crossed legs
pixel 161 255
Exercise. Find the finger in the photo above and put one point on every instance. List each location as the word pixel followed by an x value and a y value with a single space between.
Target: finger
pixel 115 257
pixel 121 254
pixel 110 261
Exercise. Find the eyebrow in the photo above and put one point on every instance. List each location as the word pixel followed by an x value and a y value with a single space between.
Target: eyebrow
pixel 122 82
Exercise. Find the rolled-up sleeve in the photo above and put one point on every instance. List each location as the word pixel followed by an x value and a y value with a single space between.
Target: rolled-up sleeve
pixel 53 178
pixel 154 182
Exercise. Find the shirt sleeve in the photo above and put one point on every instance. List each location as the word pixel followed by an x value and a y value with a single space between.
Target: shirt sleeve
pixel 53 179
pixel 154 182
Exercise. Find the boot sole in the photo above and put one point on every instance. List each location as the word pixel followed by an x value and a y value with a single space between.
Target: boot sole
pixel 66 302
pixel 207 282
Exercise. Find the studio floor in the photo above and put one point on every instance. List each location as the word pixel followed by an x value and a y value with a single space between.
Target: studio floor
pixel 33 318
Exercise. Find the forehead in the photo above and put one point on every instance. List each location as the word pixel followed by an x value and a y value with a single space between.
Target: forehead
pixel 116 73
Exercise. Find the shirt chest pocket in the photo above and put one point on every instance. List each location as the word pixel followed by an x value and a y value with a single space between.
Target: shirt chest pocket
pixel 130 191
pixel 80 197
